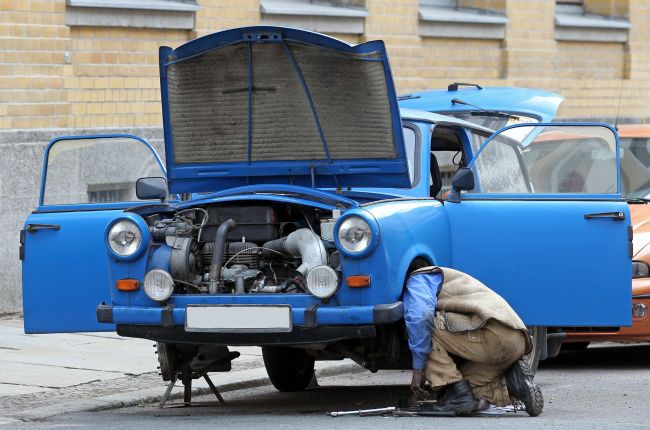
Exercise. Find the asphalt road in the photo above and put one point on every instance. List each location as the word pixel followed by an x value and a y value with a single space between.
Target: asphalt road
pixel 598 388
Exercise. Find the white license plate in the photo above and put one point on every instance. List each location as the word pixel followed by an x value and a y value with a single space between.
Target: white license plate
pixel 238 318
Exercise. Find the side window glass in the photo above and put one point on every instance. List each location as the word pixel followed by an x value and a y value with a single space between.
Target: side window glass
pixel 97 170
pixel 635 166
pixel 410 146
pixel 562 159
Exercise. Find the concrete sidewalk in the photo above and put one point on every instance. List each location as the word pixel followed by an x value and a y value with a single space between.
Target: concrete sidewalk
pixel 49 374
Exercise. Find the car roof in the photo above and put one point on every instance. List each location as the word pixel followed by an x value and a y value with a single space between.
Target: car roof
pixel 522 101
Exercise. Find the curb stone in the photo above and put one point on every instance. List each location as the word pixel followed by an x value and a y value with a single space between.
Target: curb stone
pixel 235 381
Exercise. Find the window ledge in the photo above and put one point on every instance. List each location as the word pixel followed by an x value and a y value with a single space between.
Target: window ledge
pixel 314 16
pixel 131 13
pixel 463 23
pixel 591 28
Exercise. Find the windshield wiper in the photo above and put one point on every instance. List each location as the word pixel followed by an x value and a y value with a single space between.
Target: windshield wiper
pixel 486 112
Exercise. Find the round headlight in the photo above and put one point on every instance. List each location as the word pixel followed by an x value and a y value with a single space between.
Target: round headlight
pixel 158 285
pixel 124 238
pixel 322 282
pixel 354 234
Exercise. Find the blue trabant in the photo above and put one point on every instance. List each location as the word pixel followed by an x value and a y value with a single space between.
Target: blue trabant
pixel 294 200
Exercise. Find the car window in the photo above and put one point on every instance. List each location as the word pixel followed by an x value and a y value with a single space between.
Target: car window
pixel 549 160
pixel 410 144
pixel 448 163
pixel 97 170
pixel 635 166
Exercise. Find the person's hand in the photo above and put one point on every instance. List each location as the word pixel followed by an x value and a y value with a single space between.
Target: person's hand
pixel 417 385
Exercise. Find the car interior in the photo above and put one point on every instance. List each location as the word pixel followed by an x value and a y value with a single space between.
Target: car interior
pixel 446 157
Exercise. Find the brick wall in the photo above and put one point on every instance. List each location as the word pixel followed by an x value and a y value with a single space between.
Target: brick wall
pixel 53 75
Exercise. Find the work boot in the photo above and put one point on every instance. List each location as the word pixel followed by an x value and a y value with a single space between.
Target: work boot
pixel 459 398
pixel 521 387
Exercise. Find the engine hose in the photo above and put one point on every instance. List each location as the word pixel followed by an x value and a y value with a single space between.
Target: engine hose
pixel 217 255
pixel 302 243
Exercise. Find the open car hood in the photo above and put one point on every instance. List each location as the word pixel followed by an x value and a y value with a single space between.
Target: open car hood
pixel 272 105
pixel 539 104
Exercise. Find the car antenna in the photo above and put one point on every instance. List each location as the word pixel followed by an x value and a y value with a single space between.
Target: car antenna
pixel 457 101
pixel 618 109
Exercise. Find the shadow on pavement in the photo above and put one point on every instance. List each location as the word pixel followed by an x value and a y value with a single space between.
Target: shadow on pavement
pixel 314 401
pixel 598 357
pixel 362 391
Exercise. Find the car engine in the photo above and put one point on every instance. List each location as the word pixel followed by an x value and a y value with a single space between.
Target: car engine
pixel 244 249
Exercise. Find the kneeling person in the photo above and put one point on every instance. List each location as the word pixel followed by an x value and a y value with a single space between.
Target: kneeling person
pixel 468 342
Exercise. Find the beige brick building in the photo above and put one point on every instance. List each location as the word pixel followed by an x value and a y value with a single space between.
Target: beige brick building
pixel 54 74
pixel 81 65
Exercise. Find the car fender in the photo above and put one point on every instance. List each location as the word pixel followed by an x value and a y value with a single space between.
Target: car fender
pixel 411 229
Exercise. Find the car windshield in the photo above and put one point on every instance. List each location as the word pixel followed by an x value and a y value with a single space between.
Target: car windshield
pixel 635 167
pixel 490 120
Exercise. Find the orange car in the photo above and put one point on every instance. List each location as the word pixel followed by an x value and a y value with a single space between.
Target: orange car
pixel 635 176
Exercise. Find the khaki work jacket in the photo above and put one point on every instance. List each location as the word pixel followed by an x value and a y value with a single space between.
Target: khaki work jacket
pixel 468 304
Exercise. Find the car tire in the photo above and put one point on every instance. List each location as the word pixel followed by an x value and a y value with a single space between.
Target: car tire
pixel 166 360
pixel 538 336
pixel 289 369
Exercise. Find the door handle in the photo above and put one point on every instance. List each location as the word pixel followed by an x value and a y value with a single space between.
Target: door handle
pixel 36 227
pixel 617 216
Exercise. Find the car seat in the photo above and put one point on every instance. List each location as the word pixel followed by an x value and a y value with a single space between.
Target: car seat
pixel 435 185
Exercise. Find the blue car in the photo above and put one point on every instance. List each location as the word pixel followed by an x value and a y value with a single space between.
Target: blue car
pixel 294 200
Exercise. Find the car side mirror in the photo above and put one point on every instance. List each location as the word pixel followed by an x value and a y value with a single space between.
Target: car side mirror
pixel 151 188
pixel 463 181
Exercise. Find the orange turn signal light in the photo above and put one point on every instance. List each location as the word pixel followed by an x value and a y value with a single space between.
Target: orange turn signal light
pixel 127 284
pixel 358 281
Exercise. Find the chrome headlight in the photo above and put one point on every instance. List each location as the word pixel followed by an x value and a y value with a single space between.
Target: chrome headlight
pixel 640 270
pixel 158 285
pixel 124 238
pixel 354 234
pixel 322 281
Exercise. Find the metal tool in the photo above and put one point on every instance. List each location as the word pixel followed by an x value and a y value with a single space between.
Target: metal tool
pixel 187 392
pixel 363 412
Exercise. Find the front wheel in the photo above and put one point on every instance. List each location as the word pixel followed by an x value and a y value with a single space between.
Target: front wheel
pixel 289 369
pixel 538 335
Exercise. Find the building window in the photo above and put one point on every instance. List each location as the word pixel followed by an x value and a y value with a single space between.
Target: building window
pixel 466 19
pixel 591 21
pixel 334 16
pixel 168 14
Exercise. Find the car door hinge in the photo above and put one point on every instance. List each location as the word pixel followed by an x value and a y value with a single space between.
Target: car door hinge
pixel 21 250
pixel 630 241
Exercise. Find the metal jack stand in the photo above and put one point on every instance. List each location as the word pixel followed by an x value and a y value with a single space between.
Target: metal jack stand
pixel 187 391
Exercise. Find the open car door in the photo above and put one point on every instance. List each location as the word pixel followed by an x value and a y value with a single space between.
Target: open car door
pixel 544 224
pixel 87 183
